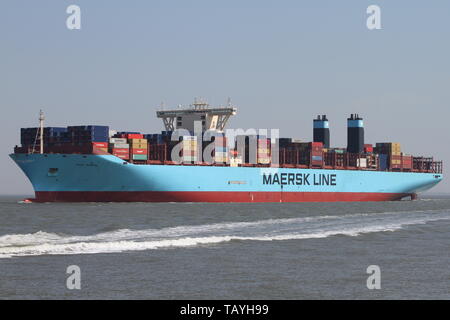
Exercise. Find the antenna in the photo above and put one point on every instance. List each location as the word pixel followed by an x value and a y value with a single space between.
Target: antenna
pixel 41 126
pixel 200 103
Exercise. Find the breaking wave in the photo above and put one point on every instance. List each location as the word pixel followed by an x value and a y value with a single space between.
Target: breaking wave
pixel 44 243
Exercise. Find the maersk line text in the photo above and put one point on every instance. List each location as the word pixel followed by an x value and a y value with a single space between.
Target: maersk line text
pixel 300 179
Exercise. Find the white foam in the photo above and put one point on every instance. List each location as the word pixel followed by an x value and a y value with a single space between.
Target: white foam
pixel 27 239
pixel 44 243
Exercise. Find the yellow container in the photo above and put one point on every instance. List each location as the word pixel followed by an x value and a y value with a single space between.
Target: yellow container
pixel 139 146
pixel 189 143
pixel 395 147
pixel 138 141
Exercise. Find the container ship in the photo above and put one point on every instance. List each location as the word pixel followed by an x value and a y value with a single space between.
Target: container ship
pixel 195 160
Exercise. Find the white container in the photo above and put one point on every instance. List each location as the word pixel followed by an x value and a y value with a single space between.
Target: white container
pixel 189 158
pixel 118 140
pixel 362 162
pixel 221 154
pixel 121 146
pixel 220 157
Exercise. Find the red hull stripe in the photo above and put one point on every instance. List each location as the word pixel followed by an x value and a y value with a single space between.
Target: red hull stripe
pixel 211 196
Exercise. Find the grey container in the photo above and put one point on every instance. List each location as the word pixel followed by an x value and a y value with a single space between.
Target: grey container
pixel 121 146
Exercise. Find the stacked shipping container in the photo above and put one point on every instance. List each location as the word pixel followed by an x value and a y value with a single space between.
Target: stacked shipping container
pixel 189 150
pixel 138 147
pixel 120 148
pixel 52 135
pixel 263 151
pixel 221 152
pixel 316 154
pixel 394 158
pixel 88 134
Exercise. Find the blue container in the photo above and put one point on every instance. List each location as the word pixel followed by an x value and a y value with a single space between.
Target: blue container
pixel 97 130
pixel 90 133
pixel 55 131
pixel 383 160
pixel 284 142
pixel 28 135
pixel 160 139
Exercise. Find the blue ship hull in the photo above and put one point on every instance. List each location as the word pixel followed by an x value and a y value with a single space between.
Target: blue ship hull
pixel 100 178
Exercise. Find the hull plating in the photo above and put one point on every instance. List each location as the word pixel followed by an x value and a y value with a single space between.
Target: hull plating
pixel 211 196
pixel 101 178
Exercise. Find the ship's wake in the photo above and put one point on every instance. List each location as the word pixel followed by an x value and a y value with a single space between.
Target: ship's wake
pixel 44 243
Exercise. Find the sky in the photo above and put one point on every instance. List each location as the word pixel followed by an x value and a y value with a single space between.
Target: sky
pixel 281 62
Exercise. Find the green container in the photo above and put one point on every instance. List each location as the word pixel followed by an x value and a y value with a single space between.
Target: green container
pixel 139 157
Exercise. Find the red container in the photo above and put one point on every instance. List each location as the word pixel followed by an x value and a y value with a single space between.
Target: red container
pixel 316 147
pixel 122 156
pixel 134 136
pixel 368 148
pixel 138 151
pixel 263 143
pixel 219 144
pixel 100 144
pixel 407 162
pixel 121 151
